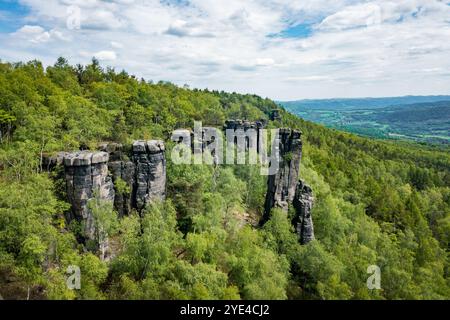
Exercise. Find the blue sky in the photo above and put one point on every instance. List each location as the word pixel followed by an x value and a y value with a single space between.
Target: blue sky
pixel 303 30
pixel 12 15
pixel 282 49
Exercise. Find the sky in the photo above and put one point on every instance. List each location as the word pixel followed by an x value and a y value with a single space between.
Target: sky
pixel 284 50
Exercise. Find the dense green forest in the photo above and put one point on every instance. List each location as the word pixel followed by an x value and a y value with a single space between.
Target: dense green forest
pixel 377 202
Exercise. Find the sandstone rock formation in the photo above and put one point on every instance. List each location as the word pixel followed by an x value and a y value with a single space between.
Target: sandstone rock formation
pixel 284 188
pixel 245 126
pixel 130 178
pixel 150 172
pixel 281 186
pixel 120 166
pixel 303 203
pixel 93 175
pixel 86 176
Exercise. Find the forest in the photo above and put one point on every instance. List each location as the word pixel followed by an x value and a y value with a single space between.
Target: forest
pixel 377 202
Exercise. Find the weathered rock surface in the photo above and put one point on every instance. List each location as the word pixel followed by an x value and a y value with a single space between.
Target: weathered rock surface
pixel 303 203
pixel 120 166
pixel 281 186
pixel 49 162
pixel 245 126
pixel 142 168
pixel 86 176
pixel 150 172
pixel 94 175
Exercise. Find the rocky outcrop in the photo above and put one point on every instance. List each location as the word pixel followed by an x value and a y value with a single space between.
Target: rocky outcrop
pixel 141 172
pixel 150 172
pixel 86 176
pixel 244 126
pixel 303 203
pixel 49 162
pixel 281 185
pixel 123 175
pixel 131 178
pixel 284 188
pixel 125 179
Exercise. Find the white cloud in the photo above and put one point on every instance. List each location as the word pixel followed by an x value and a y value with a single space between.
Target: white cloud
pixel 354 16
pixel 116 44
pixel 101 19
pixel 357 48
pixel 37 34
pixel 183 28
pixel 105 55
pixel 264 62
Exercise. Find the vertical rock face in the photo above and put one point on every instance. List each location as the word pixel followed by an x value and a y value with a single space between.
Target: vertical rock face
pixel 86 175
pixel 245 126
pixel 281 186
pixel 303 203
pixel 95 175
pixel 122 168
pixel 142 169
pixel 50 162
pixel 150 172
pixel 284 188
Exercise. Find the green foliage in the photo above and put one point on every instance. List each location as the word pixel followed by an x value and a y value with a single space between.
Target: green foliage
pixel 121 186
pixel 376 202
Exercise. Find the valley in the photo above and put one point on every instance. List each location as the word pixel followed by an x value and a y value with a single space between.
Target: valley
pixel 421 119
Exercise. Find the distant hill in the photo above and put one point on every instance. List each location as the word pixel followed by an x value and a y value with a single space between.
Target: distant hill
pixel 418 112
pixel 361 103
pixel 419 118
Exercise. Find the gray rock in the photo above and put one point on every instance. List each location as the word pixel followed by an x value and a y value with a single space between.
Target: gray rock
pixel 144 174
pixel 246 125
pixel 282 185
pixel 139 147
pixel 92 173
pixel 99 157
pixel 155 146
pixel 150 172
pixel 49 162
pixel 115 150
pixel 303 204
pixel 86 175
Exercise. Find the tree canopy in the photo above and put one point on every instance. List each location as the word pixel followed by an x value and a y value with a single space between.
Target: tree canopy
pixel 376 202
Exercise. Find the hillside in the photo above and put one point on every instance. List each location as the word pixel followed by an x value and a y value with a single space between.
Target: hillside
pixel 422 119
pixel 382 203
